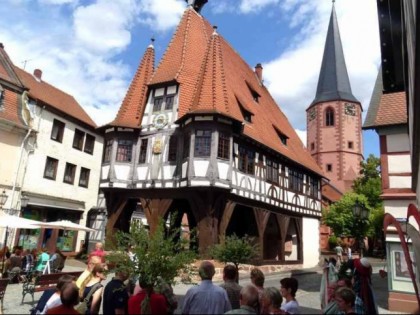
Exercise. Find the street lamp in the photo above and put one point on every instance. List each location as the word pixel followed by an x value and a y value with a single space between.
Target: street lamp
pixel 361 214
pixel 3 199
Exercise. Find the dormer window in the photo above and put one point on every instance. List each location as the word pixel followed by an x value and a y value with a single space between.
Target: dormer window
pixel 246 114
pixel 282 136
pixel 255 95
pixel 164 98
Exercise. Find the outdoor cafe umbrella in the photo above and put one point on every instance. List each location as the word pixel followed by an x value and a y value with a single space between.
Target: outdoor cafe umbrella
pixel 10 221
pixel 66 225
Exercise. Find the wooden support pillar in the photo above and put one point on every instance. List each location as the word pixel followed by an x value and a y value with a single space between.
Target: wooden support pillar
pixel 207 209
pixel 283 222
pixel 261 217
pixel 155 209
pixel 115 208
pixel 224 221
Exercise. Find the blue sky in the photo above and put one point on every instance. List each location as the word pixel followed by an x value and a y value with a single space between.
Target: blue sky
pixel 91 48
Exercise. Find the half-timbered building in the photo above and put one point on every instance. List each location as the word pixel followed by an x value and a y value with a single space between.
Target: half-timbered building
pixel 202 137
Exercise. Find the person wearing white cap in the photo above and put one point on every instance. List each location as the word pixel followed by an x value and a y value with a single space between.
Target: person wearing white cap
pixel 363 284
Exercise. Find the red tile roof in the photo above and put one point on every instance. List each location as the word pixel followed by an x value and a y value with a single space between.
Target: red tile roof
pixel 213 78
pixel 12 94
pixel 52 96
pixel 132 108
pixel 392 109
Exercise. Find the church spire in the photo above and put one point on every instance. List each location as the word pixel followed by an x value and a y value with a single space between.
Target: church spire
pixel 333 82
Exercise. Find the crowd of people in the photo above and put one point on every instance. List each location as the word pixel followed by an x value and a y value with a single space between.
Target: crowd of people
pixel 349 292
pixel 25 260
pixel 85 295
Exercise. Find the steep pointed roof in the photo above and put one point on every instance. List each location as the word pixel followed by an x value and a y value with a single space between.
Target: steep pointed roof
pixel 131 110
pixel 211 93
pixel 213 78
pixel 333 82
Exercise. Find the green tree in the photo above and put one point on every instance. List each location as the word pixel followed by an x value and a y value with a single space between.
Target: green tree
pixel 340 215
pixel 156 255
pixel 235 250
pixel 369 184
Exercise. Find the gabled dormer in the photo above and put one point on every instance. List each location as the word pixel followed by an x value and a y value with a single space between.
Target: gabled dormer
pixel 282 136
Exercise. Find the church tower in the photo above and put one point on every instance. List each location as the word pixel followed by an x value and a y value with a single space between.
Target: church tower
pixel 334 118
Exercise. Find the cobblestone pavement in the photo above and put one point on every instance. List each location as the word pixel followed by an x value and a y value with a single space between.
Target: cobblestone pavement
pixel 308 293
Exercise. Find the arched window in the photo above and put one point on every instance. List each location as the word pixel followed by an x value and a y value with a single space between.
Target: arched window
pixel 329 117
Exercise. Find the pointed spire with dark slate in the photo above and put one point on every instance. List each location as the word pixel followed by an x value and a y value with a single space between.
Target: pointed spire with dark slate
pixel 333 82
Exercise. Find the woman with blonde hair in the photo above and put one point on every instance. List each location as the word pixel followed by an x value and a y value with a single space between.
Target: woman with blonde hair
pixel 92 288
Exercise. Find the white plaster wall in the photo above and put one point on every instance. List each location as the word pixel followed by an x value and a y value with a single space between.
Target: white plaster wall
pixel 200 168
pixel 141 172
pixel 223 170
pixel 310 235
pixel 122 171
pixel 397 142
pixel 105 172
pixel 168 171
pixel 34 181
pixel 399 163
pixel 399 181
pixel 64 152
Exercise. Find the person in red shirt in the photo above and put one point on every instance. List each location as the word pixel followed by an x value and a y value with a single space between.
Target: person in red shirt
pixel 156 303
pixel 69 298
pixel 99 252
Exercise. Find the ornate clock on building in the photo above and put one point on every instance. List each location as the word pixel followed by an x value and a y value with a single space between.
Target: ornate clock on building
pixel 350 109
pixel 160 121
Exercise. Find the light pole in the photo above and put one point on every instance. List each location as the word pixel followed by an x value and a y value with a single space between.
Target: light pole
pixel 360 214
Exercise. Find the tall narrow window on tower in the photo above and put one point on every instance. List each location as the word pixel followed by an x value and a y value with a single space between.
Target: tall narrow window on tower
pixel 329 117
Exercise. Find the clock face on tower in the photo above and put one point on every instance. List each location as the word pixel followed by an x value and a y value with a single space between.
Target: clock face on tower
pixel 349 109
pixel 312 114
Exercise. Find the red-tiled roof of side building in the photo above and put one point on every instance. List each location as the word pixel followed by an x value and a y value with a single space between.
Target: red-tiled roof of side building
pixel 392 109
pixel 52 96
pixel 132 108
pixel 11 103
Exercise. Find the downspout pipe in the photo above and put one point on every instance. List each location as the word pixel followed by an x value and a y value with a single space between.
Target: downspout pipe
pixel 22 147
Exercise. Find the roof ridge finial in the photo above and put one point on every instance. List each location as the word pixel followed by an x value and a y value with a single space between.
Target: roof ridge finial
pixel 215 30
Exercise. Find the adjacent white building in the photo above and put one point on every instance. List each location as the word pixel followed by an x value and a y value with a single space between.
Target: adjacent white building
pixel 57 166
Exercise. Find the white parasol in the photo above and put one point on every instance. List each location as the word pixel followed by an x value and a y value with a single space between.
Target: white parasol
pixel 66 225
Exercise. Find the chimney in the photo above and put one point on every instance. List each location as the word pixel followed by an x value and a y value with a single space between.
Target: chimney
pixel 1 45
pixel 258 71
pixel 38 74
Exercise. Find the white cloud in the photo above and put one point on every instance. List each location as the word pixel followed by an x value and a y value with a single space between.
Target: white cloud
pixel 250 6
pixel 302 135
pixel 161 15
pixel 105 24
pixel 58 2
